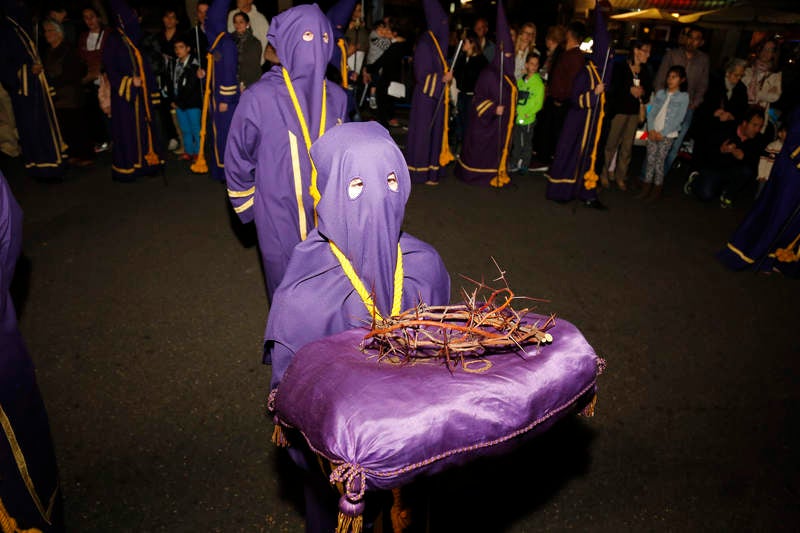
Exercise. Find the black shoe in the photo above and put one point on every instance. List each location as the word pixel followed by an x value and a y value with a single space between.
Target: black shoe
pixel 595 204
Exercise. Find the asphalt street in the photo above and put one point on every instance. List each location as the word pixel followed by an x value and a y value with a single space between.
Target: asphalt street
pixel 143 306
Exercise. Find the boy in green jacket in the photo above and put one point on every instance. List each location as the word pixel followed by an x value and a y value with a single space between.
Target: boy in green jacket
pixel 530 98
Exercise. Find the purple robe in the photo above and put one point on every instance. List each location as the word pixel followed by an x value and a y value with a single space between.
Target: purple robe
pixel 580 134
pixel 44 151
pixel 27 441
pixel 267 166
pixel 316 298
pixel 224 86
pixel 488 137
pixel 773 222
pixel 426 124
pixel 136 149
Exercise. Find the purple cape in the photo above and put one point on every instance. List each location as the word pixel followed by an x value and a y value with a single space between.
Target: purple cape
pixel 267 166
pixel 21 406
pixel 316 299
pixel 487 140
pixel 43 149
pixel 224 85
pixel 426 124
pixel 133 127
pixel 773 221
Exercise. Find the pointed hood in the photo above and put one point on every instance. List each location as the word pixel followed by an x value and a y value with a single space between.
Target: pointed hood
pixel 339 15
pixel 436 19
pixel 363 221
pixel 303 39
pixel 125 18
pixel 504 60
pixel 602 53
pixel 216 19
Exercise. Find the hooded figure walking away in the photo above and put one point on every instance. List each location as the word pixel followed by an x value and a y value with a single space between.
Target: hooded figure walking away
pixel 428 150
pixel 484 157
pixel 356 265
pixel 572 174
pixel 270 178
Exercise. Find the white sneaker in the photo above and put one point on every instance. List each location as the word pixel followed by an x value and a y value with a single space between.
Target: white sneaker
pixel 173 145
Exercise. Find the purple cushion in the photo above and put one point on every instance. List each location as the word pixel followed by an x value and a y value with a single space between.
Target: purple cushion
pixel 385 423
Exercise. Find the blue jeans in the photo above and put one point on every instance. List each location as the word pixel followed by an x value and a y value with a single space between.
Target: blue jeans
pixel 189 121
pixel 723 180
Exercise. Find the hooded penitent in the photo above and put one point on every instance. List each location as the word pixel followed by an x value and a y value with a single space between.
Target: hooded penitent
pixel 428 150
pixel 44 151
pixel 269 174
pixel 348 267
pixel 486 143
pixel 339 14
pixel 29 487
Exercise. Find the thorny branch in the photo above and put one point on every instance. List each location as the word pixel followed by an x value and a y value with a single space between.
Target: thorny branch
pixel 484 324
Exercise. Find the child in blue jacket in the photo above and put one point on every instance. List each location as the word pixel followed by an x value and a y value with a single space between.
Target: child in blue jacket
pixel 664 119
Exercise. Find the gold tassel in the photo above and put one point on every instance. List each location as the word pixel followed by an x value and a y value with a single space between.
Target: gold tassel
pixel 588 411
pixel 445 155
pixel 200 166
pixel 9 525
pixel 401 515
pixel 502 179
pixel 349 524
pixel 590 177
pixel 787 255
pixel 279 437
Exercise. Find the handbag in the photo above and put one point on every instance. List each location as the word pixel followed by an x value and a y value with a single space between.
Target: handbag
pixel 396 89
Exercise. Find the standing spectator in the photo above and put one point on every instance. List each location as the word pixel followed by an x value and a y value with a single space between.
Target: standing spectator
pixel 481 29
pixel 59 14
pixel 733 166
pixel 468 67
pixel 725 101
pixel 530 97
pixel 22 75
pixel 768 237
pixel 631 85
pixel 667 110
pixel 165 40
pixel 30 493
pixel 763 79
pixel 357 36
pixel 270 177
pixel 524 44
pixel 559 90
pixel 572 174
pixel 199 36
pixel 136 142
pixel 249 51
pixel 428 150
pixel 696 64
pixel 257 21
pixel 484 157
pixel 389 67
pixel 90 46
pixel 380 39
pixel 222 65
pixel 544 142
pixel 65 71
pixel 187 97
